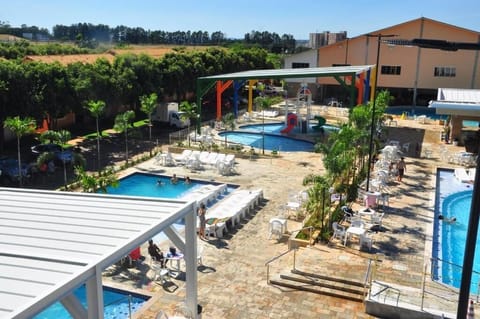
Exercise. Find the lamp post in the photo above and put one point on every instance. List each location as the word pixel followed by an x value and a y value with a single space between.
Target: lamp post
pixel 372 124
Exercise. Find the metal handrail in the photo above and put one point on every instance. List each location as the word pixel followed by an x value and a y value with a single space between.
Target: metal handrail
pixel 129 298
pixel 267 264
pixel 387 289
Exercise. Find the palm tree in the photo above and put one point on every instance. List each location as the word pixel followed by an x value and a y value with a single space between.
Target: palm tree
pixel 190 112
pixel 262 103
pixel 20 127
pixel 97 108
pixel 228 121
pixel 61 137
pixel 122 122
pixel 148 105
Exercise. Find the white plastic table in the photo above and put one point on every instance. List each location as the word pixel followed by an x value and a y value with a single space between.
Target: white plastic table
pixel 353 231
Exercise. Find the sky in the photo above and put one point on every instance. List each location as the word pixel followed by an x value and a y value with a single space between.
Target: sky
pixel 236 18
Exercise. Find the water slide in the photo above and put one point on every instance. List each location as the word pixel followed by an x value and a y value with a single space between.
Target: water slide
pixel 321 122
pixel 291 123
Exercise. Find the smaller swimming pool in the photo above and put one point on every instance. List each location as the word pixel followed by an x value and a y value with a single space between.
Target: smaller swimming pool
pixel 118 304
pixel 275 128
pixel 268 141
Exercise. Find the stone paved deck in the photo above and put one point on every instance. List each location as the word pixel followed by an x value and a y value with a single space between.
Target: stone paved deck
pixel 232 283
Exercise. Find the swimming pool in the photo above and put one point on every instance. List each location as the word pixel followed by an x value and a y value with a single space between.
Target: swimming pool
pixel 453 199
pixel 269 141
pixel 142 184
pixel 117 305
pixel 275 128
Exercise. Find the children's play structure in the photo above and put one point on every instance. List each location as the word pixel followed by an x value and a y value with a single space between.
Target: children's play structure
pixel 357 80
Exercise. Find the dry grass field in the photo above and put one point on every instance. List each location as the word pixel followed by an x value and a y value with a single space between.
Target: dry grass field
pixel 155 51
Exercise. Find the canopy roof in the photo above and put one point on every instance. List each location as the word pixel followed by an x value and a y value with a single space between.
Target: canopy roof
pixel 463 102
pixel 53 242
pixel 290 73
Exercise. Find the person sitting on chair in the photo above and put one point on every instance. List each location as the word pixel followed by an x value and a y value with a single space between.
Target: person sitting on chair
pixel 156 253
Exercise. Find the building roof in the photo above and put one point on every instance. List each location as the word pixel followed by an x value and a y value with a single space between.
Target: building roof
pixel 290 73
pixel 53 242
pixel 463 102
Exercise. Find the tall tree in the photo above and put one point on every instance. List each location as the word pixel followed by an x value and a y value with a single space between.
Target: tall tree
pixel 97 108
pixel 122 123
pixel 20 127
pixel 148 103
pixel 190 112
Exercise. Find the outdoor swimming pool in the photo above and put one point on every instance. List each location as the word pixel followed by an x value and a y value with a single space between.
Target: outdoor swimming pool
pixel 275 128
pixel 430 113
pixel 453 199
pixel 271 141
pixel 268 137
pixel 117 304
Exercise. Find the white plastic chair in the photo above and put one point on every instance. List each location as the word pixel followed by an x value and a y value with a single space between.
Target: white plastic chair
pixel 377 218
pixel 339 231
pixel 366 241
pixel 276 229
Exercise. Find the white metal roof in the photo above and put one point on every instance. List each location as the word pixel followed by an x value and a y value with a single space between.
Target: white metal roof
pixel 458 95
pixel 52 242
pixel 464 102
pixel 292 73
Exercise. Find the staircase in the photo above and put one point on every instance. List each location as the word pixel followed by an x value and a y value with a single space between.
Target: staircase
pixel 323 285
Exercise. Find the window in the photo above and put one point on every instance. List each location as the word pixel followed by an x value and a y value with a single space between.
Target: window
pixel 445 71
pixel 391 69
pixel 299 65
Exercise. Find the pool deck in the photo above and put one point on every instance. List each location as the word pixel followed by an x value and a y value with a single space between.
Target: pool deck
pixel 232 282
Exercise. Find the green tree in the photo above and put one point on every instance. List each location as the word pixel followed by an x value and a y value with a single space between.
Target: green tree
pixel 228 121
pixel 148 104
pixel 97 108
pixel 92 183
pixel 317 204
pixel 20 127
pixel 190 112
pixel 61 138
pixel 122 123
pixel 262 103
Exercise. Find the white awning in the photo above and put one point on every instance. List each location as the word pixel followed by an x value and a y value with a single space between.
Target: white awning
pixel 53 242
pixel 456 108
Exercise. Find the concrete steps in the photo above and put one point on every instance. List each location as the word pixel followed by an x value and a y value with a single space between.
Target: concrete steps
pixel 323 285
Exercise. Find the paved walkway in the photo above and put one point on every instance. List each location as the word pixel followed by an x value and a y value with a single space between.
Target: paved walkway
pixel 232 283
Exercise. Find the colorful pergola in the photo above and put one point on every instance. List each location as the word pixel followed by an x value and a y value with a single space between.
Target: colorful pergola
pixel 354 78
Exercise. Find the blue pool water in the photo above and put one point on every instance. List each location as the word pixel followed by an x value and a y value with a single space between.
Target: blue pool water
pixel 269 141
pixel 117 305
pixel 419 110
pixel 140 184
pixel 453 199
pixel 275 128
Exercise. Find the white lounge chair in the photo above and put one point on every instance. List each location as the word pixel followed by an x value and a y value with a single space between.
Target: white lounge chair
pixel 183 157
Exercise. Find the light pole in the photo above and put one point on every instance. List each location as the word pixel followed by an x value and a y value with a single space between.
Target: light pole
pixel 372 124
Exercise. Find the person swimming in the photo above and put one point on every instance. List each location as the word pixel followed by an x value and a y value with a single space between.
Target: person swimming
pixel 174 179
pixel 450 220
pixel 187 180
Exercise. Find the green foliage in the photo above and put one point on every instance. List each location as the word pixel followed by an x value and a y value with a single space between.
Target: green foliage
pixel 92 183
pixel 228 121
pixel 20 127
